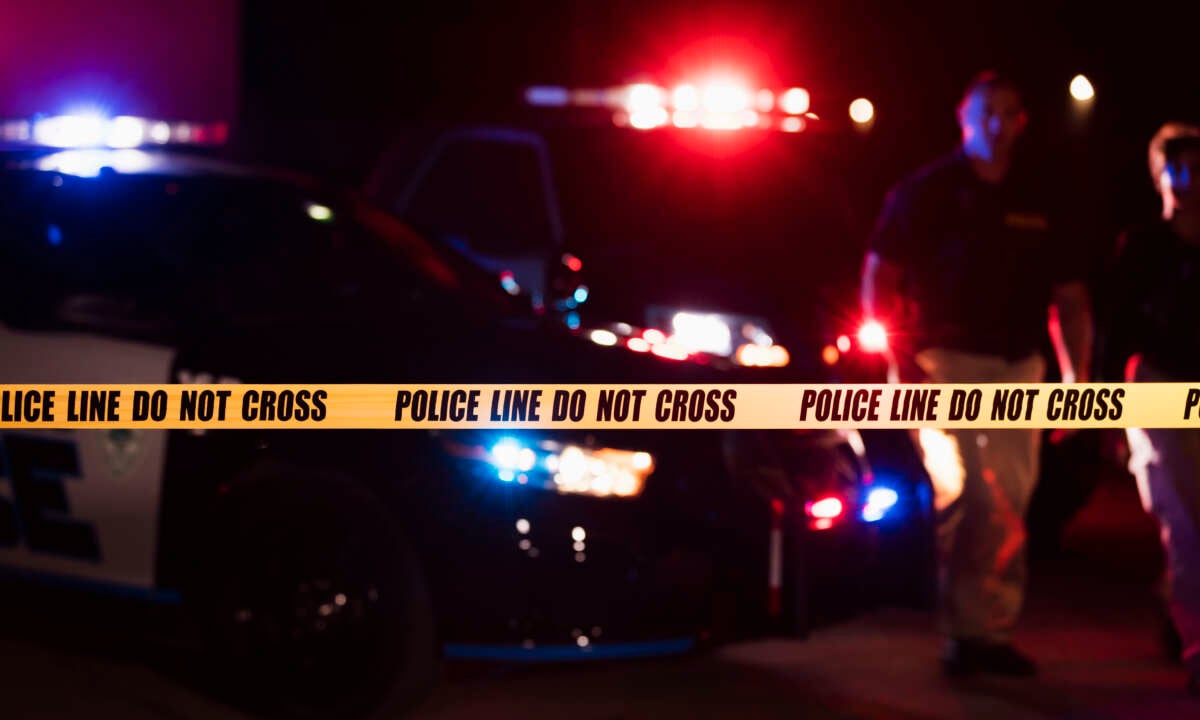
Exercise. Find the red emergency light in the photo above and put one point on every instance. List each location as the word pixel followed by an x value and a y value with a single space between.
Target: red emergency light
pixel 825 508
pixel 824 512
pixel 873 337
pixel 716 103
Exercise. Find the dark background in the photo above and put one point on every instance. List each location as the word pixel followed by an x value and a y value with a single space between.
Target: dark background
pixel 324 87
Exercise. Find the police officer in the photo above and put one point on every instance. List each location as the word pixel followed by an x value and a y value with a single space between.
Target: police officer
pixel 969 261
pixel 1155 295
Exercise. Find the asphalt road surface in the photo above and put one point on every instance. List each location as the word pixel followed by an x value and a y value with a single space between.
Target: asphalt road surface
pixel 1090 621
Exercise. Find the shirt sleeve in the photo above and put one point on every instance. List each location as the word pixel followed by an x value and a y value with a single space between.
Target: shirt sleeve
pixel 1117 306
pixel 894 236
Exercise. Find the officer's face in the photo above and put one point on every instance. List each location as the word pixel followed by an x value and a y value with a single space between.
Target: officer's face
pixel 1180 184
pixel 991 120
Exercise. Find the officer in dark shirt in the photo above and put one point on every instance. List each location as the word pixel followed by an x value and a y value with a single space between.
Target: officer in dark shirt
pixel 969 266
pixel 1153 330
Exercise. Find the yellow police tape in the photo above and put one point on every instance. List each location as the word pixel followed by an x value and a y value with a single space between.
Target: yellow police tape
pixel 597 406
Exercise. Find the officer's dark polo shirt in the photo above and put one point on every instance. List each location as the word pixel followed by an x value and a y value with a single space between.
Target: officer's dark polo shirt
pixel 1152 299
pixel 980 259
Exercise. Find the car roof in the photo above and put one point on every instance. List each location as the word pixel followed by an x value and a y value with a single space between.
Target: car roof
pixel 89 162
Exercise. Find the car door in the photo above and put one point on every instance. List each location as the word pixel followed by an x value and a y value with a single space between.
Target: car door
pixel 488 193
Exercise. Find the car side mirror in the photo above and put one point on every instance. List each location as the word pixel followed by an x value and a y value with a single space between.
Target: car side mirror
pixel 566 288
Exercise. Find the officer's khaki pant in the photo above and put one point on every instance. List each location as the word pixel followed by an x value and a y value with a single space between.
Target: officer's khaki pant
pixel 1166 464
pixel 982 483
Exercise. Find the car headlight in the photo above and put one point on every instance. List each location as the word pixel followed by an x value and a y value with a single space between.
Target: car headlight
pixel 563 467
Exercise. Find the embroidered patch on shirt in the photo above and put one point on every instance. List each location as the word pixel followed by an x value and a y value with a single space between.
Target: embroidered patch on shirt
pixel 1026 221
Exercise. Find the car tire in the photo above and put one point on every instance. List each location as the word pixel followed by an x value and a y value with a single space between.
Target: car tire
pixel 314 603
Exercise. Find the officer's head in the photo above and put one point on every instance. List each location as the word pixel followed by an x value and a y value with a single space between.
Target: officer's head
pixel 991 116
pixel 1173 164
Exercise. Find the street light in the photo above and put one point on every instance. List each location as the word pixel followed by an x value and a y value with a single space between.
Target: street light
pixel 862 111
pixel 1081 88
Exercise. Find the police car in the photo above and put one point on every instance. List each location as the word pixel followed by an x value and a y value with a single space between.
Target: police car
pixel 331 571
pixel 702 221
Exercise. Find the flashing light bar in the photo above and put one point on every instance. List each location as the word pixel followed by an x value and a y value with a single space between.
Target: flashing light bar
pixel 92 130
pixel 719 104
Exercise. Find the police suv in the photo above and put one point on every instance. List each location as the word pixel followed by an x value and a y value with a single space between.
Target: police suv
pixel 329 572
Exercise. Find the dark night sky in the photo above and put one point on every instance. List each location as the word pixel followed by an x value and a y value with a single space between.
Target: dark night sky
pixel 335 82
pixel 162 59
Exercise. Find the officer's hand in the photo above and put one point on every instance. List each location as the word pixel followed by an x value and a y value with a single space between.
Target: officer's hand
pixel 903 368
pixel 1061 435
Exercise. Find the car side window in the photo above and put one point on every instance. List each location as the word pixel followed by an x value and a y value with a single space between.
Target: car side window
pixel 73 259
pixel 487 197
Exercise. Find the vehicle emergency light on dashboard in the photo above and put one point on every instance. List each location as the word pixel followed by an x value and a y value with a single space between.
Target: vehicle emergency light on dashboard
pixel 95 130
pixel 720 103
pixel 699 337
pixel 561 467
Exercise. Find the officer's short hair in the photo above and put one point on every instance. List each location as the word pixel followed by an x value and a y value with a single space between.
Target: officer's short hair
pixel 1166 146
pixel 988 80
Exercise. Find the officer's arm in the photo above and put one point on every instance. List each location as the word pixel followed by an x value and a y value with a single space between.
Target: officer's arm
pixel 1119 324
pixel 1071 331
pixel 893 240
pixel 880 288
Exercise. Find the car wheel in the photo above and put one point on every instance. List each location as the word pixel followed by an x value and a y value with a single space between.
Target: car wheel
pixel 316 604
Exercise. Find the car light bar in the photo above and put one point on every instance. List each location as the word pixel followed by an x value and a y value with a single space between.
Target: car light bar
pixel 92 130
pixel 718 104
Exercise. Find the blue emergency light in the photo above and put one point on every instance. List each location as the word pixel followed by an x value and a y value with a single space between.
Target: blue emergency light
pixel 880 500
pixel 90 129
